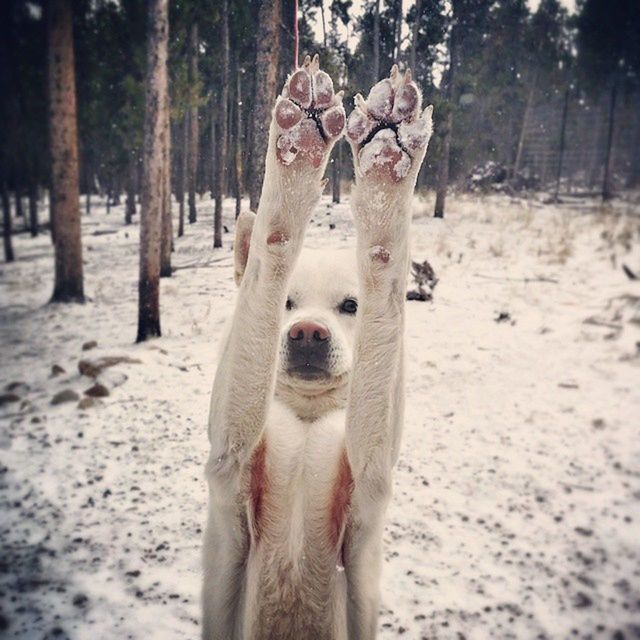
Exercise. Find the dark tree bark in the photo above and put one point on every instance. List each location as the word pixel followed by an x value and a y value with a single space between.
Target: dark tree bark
pixel 192 166
pixel 6 224
pixel 443 169
pixel 268 52
pixel 607 186
pixel 525 123
pixel 130 206
pixel 221 160
pixel 414 36
pixel 562 143
pixel 33 207
pixel 153 177
pixel 182 173
pixel 336 173
pixel 238 137
pixel 65 195
pixel 18 198
pixel 167 219
pixel 376 43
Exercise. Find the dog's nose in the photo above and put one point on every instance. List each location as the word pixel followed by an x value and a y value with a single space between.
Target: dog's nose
pixel 309 332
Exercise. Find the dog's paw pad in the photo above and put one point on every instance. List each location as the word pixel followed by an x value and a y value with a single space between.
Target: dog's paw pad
pixel 387 129
pixel 309 115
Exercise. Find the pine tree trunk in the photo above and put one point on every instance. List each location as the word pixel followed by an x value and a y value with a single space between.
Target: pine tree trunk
pixel 130 206
pixel 443 169
pixel 563 130
pixel 6 224
pixel 414 37
pixel 65 196
pixel 87 203
pixel 268 52
pixel 221 162
pixel 155 143
pixel 336 173
pixel 192 165
pixel 607 186
pixel 33 208
pixel 525 123
pixel 376 42
pixel 18 199
pixel 182 173
pixel 238 138
pixel 633 179
pixel 398 32
pixel 167 219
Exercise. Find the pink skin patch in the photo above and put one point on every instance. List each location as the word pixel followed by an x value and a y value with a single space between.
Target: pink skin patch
pixel 333 121
pixel 322 90
pixel 405 102
pixel 358 125
pixel 380 100
pixel 300 88
pixel 288 114
pixel 341 498
pixel 258 483
pixel 277 237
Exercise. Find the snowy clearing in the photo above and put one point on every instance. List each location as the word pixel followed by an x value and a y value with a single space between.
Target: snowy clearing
pixel 516 511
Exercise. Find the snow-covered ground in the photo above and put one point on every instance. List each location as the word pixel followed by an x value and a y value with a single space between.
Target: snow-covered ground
pixel 516 511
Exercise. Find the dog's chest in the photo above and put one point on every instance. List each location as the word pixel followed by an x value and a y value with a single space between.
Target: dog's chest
pixel 297 482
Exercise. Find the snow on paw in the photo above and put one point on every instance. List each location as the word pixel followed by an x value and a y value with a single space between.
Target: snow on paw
pixel 309 115
pixel 288 114
pixel 382 157
pixel 387 130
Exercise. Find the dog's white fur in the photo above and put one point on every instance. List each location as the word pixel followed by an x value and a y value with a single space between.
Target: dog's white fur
pixel 318 454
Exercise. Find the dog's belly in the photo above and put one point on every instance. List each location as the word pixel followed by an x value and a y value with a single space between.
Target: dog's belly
pixel 299 490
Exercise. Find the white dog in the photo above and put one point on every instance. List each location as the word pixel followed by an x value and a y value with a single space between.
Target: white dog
pixel 307 403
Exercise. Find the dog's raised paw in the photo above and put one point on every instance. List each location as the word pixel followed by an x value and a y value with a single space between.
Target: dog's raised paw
pixel 388 129
pixel 309 115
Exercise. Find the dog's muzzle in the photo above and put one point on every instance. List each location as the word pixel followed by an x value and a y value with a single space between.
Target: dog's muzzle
pixel 308 348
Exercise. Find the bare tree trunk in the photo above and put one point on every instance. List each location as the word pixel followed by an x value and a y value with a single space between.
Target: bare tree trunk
pixel 633 180
pixel 607 186
pixel 182 173
pixel 33 207
pixel 376 42
pixel 266 69
pixel 87 203
pixel 443 169
pixel 65 196
pixel 563 130
pixel 192 167
pixel 221 161
pixel 18 198
pixel 414 37
pixel 6 224
pixel 525 123
pixel 336 173
pixel 398 31
pixel 238 140
pixel 324 29
pixel 155 132
pixel 166 241
pixel 130 206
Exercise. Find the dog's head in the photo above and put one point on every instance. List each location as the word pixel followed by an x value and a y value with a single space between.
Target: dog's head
pixel 318 329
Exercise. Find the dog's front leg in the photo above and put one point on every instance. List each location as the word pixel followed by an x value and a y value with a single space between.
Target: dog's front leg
pixel 389 136
pixel 307 120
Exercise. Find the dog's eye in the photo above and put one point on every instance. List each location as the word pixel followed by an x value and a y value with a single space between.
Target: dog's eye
pixel 349 305
pixel 289 305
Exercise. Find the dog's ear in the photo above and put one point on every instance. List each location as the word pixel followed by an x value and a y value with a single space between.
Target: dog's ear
pixel 242 242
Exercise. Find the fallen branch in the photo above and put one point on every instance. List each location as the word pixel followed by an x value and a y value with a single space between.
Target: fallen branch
pixel 508 279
